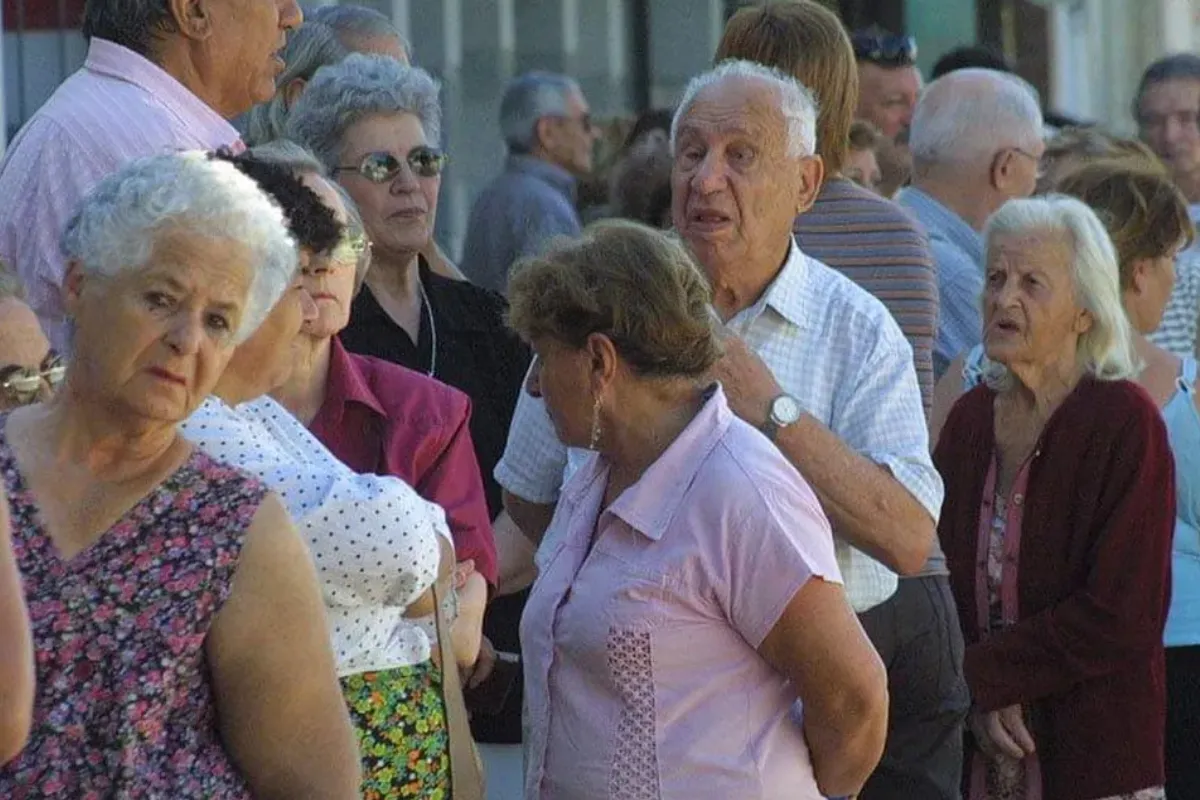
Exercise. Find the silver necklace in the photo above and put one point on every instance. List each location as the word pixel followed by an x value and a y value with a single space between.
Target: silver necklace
pixel 432 329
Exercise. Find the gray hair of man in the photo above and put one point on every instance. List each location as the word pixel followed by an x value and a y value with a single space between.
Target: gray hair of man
pixel 529 98
pixel 10 283
pixel 1106 350
pixel 328 35
pixel 361 86
pixel 118 224
pixel 796 102
pixel 301 161
pixel 964 117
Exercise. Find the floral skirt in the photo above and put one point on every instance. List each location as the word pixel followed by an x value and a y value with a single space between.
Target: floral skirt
pixel 399 717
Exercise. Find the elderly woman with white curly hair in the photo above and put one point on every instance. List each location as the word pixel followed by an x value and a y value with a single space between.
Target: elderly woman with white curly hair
pixel 1058 521
pixel 170 596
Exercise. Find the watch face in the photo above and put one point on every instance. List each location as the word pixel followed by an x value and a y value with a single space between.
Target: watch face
pixel 786 410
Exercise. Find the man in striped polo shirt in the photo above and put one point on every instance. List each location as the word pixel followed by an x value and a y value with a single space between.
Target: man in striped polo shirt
pixel 158 78
pixel 875 244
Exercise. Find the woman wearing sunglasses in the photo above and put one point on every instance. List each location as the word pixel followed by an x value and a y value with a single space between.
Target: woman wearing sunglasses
pixel 375 124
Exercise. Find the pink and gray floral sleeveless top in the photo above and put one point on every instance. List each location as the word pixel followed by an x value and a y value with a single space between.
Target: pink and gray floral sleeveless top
pixel 124 705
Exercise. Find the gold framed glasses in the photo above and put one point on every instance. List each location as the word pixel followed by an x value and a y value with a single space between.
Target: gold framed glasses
pixel 20 386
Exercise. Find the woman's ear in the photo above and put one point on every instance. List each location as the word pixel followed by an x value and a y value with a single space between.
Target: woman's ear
pixel 1139 273
pixel 602 360
pixel 72 288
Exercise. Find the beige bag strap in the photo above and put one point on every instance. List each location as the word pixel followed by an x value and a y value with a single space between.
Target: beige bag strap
pixel 466 769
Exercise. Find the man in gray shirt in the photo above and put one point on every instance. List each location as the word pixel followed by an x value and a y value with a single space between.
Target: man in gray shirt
pixel 548 129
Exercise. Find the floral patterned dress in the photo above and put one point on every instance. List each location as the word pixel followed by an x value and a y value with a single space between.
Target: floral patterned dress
pixel 124 704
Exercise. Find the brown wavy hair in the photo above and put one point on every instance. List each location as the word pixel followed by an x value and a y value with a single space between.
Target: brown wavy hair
pixel 807 41
pixel 1145 213
pixel 636 285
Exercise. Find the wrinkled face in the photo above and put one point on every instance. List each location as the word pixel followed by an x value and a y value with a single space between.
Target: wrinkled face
pixel 1031 312
pixel 152 342
pixel 887 96
pixel 560 376
pixel 862 167
pixel 1168 123
pixel 267 359
pixel 241 50
pixel 399 213
pixel 27 372
pixel 736 190
pixel 329 277
pixel 570 140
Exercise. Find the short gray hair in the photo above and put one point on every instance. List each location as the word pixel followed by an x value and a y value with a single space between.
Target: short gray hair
pixel 529 98
pixel 796 102
pixel 130 23
pixel 301 161
pixel 1106 350
pixel 967 115
pixel 361 86
pixel 328 35
pixel 117 226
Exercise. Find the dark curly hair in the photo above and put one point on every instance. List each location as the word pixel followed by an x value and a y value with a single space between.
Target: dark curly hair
pixel 312 224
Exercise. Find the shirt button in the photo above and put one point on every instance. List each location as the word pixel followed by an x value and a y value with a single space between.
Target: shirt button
pixel 1018 499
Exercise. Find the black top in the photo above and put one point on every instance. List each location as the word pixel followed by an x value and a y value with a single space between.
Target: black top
pixel 476 354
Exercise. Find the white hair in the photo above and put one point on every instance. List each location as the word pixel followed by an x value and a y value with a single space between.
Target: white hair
pixel 1106 350
pixel 118 224
pixel 328 35
pixel 360 86
pixel 966 116
pixel 796 102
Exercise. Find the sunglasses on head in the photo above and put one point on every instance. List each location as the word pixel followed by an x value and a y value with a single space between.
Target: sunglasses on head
pixel 350 250
pixel 21 385
pixel 425 162
pixel 885 48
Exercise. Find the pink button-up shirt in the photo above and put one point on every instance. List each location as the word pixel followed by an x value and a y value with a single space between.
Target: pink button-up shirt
pixel 642 676
pixel 117 107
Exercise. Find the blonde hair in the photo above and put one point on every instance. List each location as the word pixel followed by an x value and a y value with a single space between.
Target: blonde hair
pixel 637 286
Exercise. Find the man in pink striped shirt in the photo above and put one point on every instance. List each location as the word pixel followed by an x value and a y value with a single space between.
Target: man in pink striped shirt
pixel 158 77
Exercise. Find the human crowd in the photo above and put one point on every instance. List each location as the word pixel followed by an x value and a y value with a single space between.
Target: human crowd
pixel 836 437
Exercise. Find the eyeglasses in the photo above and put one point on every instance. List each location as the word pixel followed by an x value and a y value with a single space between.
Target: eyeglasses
pixel 425 162
pixel 1037 162
pixel 350 250
pixel 20 386
pixel 884 48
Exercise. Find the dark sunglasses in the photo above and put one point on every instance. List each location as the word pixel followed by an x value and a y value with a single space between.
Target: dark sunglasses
pixel 21 385
pixel 885 49
pixel 425 162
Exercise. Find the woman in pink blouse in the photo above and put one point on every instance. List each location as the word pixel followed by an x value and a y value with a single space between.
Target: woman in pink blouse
pixel 688 594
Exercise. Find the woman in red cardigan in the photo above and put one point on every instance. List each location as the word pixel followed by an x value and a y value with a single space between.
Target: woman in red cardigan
pixel 1057 523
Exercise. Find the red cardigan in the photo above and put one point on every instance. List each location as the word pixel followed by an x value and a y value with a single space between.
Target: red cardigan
pixel 381 418
pixel 1086 656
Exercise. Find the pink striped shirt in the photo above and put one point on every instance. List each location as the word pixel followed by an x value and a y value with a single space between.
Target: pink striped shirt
pixel 117 107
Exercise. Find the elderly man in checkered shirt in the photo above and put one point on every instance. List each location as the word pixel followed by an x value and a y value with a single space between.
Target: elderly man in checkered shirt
pixel 821 368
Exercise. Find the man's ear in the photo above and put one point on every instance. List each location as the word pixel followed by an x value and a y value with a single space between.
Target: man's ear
pixel 812 175
pixel 192 18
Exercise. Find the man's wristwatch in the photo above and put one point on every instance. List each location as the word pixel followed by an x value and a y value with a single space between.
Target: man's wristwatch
pixel 785 410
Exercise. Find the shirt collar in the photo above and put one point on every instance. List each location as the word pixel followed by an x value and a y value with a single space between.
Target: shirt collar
pixel 786 295
pixel 650 505
pixel 941 220
pixel 112 60
pixel 544 171
pixel 346 384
